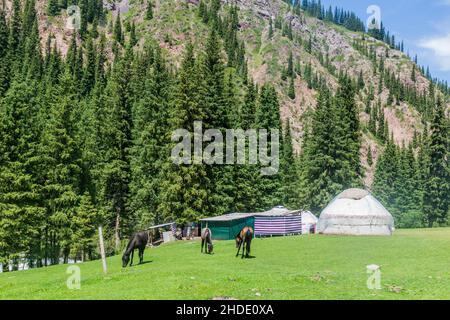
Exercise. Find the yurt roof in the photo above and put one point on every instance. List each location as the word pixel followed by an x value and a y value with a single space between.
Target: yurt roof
pixel 355 194
pixel 354 203
pixel 275 212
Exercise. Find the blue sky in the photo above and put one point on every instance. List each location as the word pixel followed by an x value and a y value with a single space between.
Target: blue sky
pixel 424 25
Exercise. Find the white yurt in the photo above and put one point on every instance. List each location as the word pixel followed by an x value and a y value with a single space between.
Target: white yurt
pixel 355 212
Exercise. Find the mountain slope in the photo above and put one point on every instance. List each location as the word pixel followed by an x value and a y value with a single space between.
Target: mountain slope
pixel 177 21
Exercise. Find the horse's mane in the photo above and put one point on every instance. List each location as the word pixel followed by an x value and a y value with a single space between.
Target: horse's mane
pixel 130 241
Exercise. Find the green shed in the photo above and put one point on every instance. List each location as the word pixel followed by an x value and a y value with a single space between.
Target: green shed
pixel 226 227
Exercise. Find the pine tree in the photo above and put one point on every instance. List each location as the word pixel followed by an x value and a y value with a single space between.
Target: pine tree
pixel 14 54
pixel 203 11
pixel 59 158
pixel 436 199
pixel 319 159
pixel 290 67
pixel 84 225
pixel 268 118
pixel 133 38
pixel 385 178
pixel 114 146
pixel 3 35
pixel 360 81
pixel 28 18
pixel 118 34
pixel 408 192
pixel 413 73
pixel 288 170
pixel 215 105
pixel 291 91
pixel 270 29
pixel 84 7
pixel 246 177
pixel 149 135
pixel 21 212
pixel 149 10
pixel 89 68
pixel 94 30
pixel 53 8
pixel 4 31
pixel 32 66
pixel 348 133
pixel 185 188
pixel 369 157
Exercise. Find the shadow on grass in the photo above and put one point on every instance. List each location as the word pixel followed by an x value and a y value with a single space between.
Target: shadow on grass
pixel 140 264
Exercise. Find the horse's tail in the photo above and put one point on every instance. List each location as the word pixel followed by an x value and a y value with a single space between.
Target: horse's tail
pixel 248 233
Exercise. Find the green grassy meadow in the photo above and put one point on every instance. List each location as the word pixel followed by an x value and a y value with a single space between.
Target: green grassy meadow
pixel 415 264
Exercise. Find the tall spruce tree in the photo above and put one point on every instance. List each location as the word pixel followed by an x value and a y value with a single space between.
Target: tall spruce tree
pixel 114 169
pixel 4 33
pixel 149 10
pixel 268 118
pixel 436 197
pixel 321 161
pixel 288 170
pixel 53 7
pixel 150 133
pixel 185 187
pixel 21 210
pixel 385 177
pixel 60 168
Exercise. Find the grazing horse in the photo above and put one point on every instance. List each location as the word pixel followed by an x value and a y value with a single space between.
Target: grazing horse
pixel 244 238
pixel 206 240
pixel 137 241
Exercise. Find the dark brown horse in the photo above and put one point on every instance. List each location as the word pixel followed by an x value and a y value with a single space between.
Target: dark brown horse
pixel 207 241
pixel 244 239
pixel 137 241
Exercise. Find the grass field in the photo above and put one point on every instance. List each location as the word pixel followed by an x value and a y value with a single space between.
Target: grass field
pixel 415 264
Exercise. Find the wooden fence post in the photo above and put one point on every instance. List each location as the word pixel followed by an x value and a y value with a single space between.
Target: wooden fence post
pixel 102 249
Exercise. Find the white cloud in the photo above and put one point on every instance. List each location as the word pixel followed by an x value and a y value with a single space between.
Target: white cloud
pixel 440 46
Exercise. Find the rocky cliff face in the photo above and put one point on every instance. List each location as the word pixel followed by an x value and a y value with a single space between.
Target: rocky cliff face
pixel 177 20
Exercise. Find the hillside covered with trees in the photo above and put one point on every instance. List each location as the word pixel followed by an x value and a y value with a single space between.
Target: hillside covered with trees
pixel 86 118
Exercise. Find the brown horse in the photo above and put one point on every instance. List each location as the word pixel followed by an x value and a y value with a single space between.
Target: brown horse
pixel 207 240
pixel 244 238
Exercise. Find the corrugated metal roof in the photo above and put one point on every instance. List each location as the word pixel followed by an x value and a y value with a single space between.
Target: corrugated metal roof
pixel 229 217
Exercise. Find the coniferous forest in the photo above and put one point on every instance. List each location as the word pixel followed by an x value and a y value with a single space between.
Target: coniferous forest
pixel 85 137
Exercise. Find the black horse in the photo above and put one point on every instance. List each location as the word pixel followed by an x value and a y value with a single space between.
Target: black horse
pixel 206 241
pixel 244 239
pixel 137 241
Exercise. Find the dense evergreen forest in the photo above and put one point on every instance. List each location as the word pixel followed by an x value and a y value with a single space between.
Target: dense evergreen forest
pixel 85 139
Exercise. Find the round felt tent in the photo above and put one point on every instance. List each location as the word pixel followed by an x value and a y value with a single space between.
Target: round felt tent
pixel 355 212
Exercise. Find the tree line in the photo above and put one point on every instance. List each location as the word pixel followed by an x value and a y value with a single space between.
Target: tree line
pixel 86 139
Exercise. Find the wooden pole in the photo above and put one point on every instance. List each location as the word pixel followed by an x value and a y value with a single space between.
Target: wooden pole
pixel 102 249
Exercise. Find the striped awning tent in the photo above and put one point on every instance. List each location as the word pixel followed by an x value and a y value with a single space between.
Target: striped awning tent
pixel 278 222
